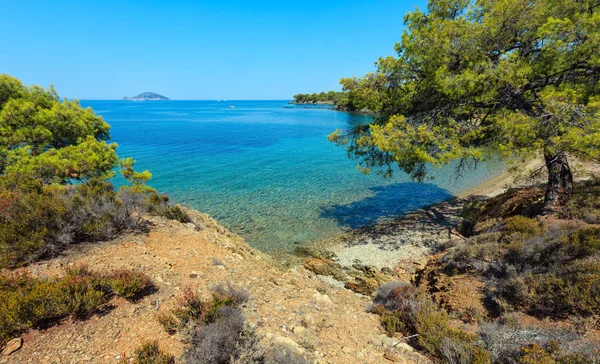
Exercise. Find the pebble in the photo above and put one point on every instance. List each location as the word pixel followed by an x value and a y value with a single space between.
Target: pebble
pixel 322 299
pixel 12 346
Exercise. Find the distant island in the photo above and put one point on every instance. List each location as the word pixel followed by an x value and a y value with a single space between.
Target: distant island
pixel 147 96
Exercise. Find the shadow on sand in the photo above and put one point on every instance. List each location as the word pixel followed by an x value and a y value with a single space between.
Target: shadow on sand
pixel 387 202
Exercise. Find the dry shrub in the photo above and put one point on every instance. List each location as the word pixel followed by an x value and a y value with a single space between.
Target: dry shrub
pixel 27 302
pixel 223 341
pixel 406 310
pixel 192 310
pixel 504 341
pixel 150 353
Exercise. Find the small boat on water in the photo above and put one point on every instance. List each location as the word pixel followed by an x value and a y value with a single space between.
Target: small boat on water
pixel 232 107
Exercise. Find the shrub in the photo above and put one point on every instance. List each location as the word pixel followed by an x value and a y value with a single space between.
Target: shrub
pixel 238 294
pixel 283 354
pixel 583 242
pixel 160 205
pixel 41 220
pixel 150 353
pixel 584 204
pixel 550 353
pixel 192 311
pixel 223 340
pixel 568 289
pixel 405 309
pixel 504 342
pixel 523 227
pixel 27 302
pixel 129 284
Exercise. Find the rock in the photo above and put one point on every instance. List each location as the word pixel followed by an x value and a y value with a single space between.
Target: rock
pixel 323 267
pixel 298 330
pixel 12 346
pixel 284 342
pixel 322 299
pixel 390 342
pixel 391 357
pixel 421 263
pixel 190 225
pixel 308 320
pixel 377 340
pixel 346 350
pixel 405 346
pixel 366 286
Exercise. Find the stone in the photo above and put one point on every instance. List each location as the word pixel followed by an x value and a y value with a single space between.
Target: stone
pixel 322 299
pixel 346 350
pixel 391 357
pixel 365 286
pixel 405 346
pixel 298 330
pixel 323 267
pixel 391 342
pixel 12 346
pixel 308 320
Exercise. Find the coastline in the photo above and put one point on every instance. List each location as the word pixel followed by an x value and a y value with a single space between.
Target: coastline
pixel 405 244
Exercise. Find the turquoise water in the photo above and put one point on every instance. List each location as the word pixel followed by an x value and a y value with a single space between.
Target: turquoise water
pixel 265 170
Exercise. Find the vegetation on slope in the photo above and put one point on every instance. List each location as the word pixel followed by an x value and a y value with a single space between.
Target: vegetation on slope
pixel 55 170
pixel 27 302
pixel 532 268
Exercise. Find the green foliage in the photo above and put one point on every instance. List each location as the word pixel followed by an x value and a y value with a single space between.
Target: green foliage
pixel 137 180
pixel 474 79
pixel 27 302
pixel 522 226
pixel 150 353
pixel 129 284
pixel 38 220
pixel 50 139
pixel 331 96
pixel 160 205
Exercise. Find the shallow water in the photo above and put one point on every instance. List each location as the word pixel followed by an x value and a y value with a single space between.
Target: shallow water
pixel 265 170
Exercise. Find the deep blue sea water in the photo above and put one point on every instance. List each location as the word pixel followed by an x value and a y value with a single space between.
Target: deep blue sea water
pixel 264 170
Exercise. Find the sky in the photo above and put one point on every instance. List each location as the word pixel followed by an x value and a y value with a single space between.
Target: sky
pixel 196 50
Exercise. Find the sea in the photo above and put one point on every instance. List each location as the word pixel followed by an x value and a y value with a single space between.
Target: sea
pixel 266 170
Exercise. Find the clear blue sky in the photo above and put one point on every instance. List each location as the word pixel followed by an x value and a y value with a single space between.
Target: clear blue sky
pixel 215 49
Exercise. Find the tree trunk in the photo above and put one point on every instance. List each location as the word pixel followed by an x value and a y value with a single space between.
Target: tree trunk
pixel 560 181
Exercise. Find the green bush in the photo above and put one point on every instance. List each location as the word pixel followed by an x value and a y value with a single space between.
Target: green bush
pixel 585 202
pixel 27 302
pixel 523 227
pixel 129 284
pixel 160 205
pixel 150 353
pixel 38 220
pixel 569 289
pixel 584 241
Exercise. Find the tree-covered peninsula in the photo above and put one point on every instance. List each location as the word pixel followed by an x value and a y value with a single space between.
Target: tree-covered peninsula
pixel 340 100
